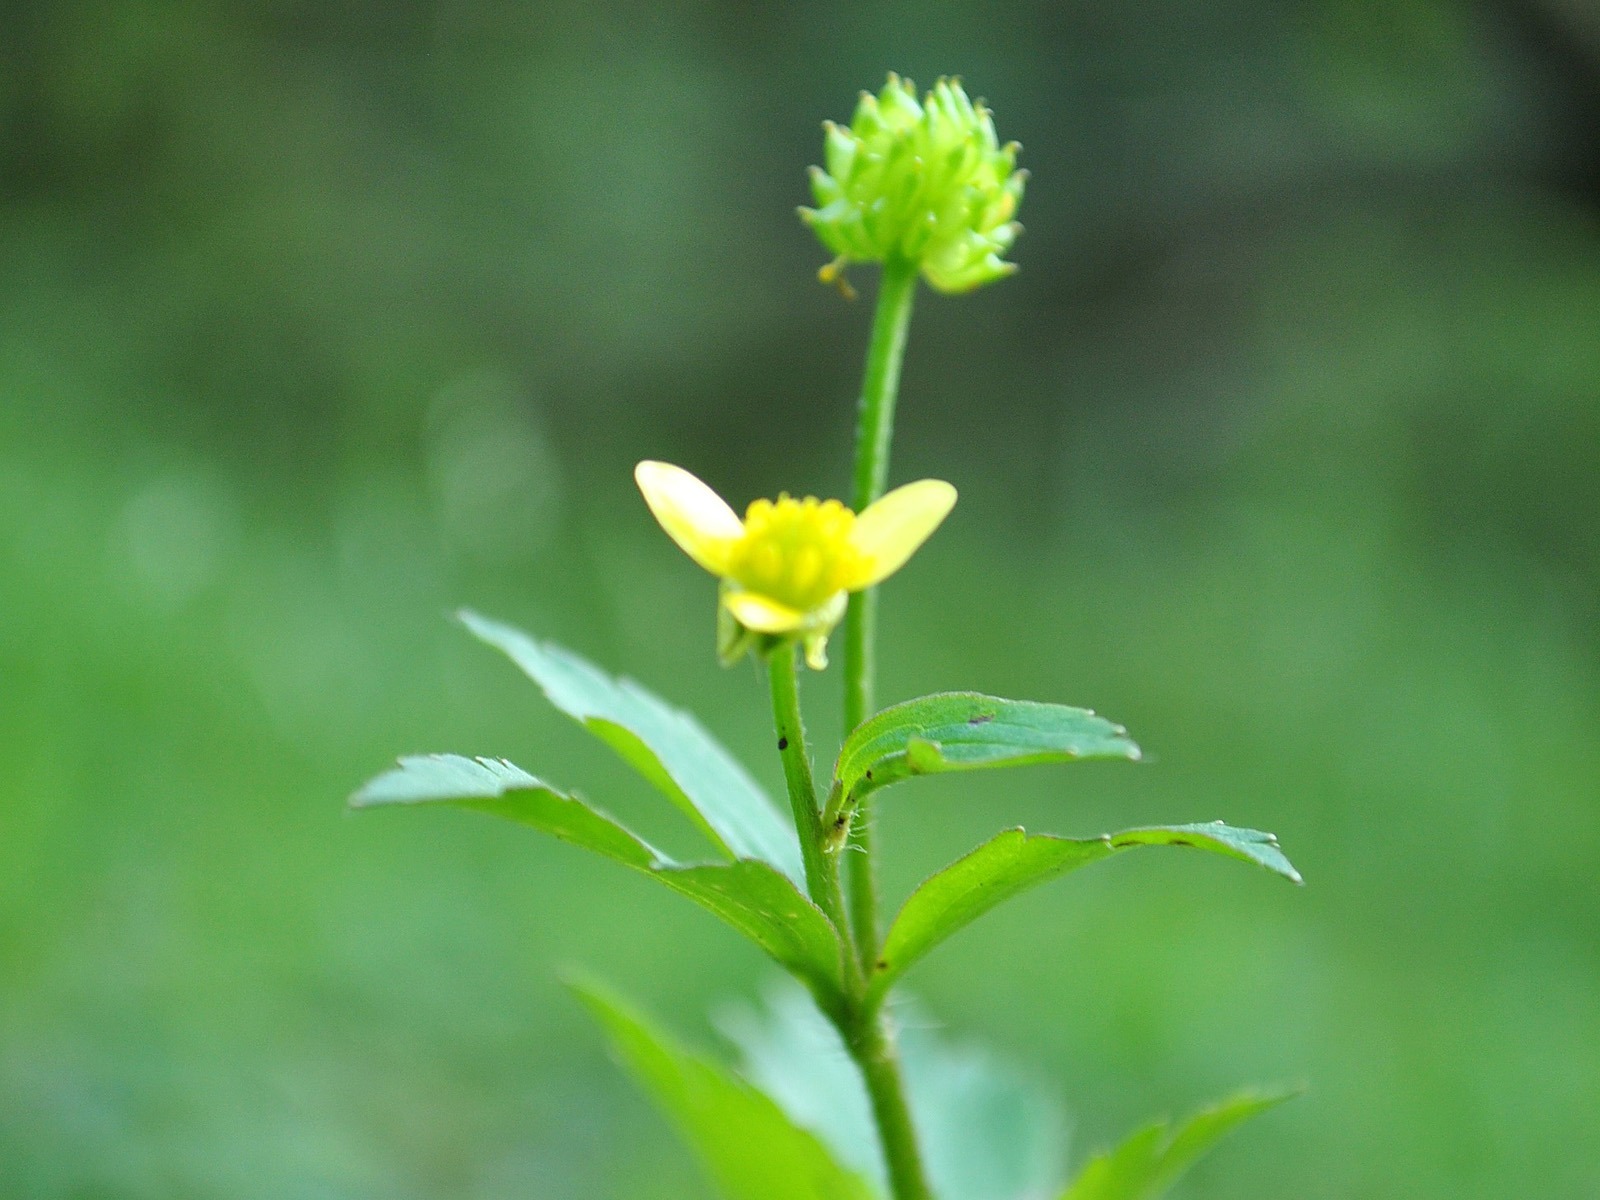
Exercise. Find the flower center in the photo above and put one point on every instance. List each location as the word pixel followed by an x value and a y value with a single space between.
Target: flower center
pixel 797 552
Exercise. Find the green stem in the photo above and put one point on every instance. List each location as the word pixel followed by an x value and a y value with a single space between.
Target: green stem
pixel 822 868
pixel 874 432
pixel 872 1046
pixel 861 1022
pixel 866 1029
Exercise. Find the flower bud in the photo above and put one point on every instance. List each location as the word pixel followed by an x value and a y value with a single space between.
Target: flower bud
pixel 926 183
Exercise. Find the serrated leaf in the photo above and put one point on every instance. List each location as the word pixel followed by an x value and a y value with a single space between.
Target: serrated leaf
pixel 984 1131
pixel 664 744
pixel 1155 1157
pixel 749 895
pixel 968 731
pixel 1013 861
pixel 750 1147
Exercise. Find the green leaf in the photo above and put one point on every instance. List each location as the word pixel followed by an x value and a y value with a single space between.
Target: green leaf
pixel 1151 1160
pixel 749 895
pixel 984 1130
pixel 752 1150
pixel 966 731
pixel 664 744
pixel 1013 861
pixel 789 1050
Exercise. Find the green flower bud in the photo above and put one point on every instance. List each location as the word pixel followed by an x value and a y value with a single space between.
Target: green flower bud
pixel 928 183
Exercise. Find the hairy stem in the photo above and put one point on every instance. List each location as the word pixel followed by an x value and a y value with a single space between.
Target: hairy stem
pixel 865 1028
pixel 860 1020
pixel 822 868
pixel 872 1045
pixel 874 433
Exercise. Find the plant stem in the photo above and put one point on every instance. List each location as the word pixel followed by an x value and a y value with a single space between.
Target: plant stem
pixel 874 431
pixel 866 1029
pixel 822 868
pixel 861 1022
pixel 872 1046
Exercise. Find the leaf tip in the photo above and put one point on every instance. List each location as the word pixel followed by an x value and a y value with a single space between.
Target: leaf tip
pixel 1276 860
pixel 595 995
pixel 474 622
pixel 1262 1097
pixel 370 794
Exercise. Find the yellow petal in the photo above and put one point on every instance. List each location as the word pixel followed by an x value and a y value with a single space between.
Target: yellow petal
pixel 694 516
pixel 762 615
pixel 890 530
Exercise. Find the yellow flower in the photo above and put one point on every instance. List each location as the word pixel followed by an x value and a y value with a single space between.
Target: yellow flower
pixel 788 566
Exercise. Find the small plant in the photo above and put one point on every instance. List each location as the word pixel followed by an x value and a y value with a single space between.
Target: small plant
pixel 831 1103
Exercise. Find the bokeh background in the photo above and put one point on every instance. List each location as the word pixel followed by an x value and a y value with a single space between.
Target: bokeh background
pixel 320 319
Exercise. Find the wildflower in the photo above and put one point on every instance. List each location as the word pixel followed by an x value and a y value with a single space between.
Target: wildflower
pixel 787 568
pixel 927 183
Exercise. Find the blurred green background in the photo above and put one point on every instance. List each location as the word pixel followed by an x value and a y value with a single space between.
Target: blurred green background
pixel 320 319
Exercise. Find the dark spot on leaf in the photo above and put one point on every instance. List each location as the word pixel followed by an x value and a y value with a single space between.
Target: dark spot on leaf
pixel 869 774
pixel 783 743
pixel 1182 842
pixel 883 964
pixel 980 718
